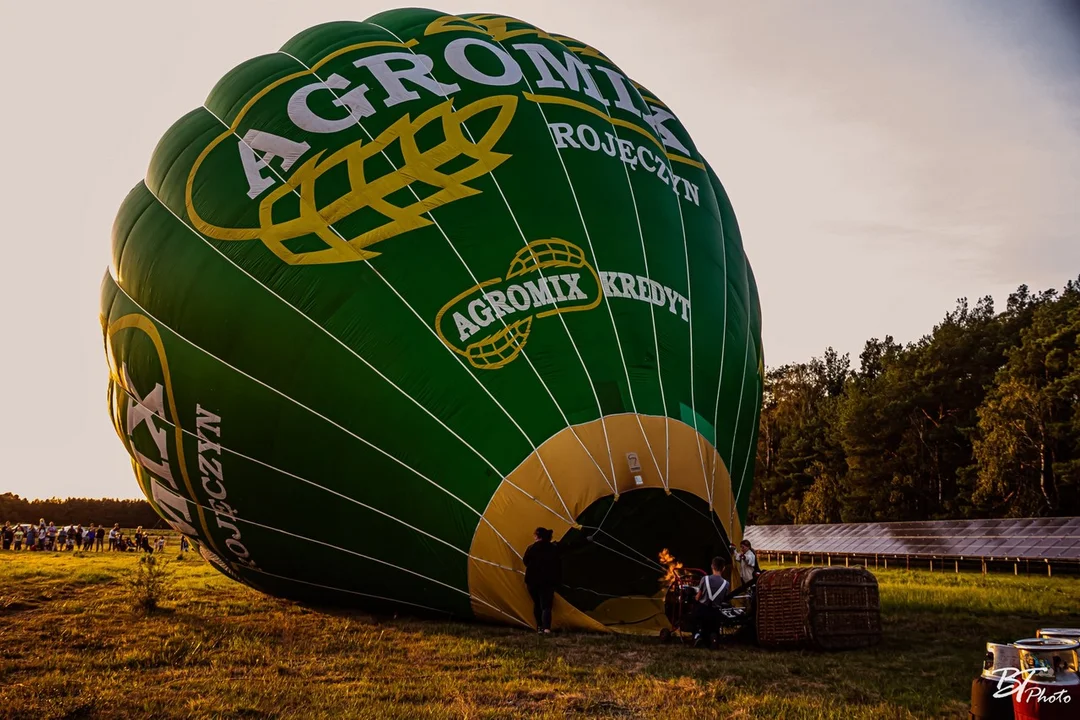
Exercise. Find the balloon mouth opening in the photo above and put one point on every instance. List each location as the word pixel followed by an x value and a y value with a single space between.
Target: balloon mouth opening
pixel 612 569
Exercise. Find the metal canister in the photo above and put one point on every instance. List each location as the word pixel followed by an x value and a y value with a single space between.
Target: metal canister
pixel 1060 633
pixel 1052 686
pixel 999 658
pixel 1049 659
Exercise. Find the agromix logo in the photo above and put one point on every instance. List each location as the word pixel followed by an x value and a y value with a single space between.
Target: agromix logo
pixel 490 323
pixel 420 174
pixel 147 417
pixel 311 200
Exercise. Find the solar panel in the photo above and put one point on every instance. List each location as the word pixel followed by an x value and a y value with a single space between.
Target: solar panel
pixel 1024 538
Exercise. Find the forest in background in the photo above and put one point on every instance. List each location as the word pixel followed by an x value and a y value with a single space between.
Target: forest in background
pixel 978 419
pixel 79 511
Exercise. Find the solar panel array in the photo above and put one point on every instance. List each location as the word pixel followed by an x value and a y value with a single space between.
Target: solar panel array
pixel 1041 538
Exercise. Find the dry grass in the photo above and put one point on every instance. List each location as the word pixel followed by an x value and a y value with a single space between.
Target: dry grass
pixel 73 645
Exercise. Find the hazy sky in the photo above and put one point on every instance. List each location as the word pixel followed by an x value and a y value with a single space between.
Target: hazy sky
pixel 883 159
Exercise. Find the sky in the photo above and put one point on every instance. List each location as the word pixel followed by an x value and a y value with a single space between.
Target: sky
pixel 883 159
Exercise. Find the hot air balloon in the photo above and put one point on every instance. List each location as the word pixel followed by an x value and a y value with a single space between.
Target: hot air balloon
pixel 406 289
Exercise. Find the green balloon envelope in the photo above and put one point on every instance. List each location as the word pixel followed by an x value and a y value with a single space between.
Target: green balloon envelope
pixel 407 289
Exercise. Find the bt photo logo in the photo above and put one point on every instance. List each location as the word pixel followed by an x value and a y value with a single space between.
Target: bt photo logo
pixel 1017 681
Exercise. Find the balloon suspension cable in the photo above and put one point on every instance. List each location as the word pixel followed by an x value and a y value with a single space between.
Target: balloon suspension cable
pixel 469 270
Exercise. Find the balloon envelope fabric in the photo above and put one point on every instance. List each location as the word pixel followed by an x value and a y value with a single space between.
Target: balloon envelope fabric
pixel 409 288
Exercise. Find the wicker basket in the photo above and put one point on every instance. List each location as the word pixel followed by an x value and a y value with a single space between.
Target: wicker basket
pixel 820 608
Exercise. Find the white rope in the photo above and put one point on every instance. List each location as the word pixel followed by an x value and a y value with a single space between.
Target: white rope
pixel 611 316
pixel 649 598
pixel 310 410
pixel 652 311
pixel 133 398
pixel 588 237
pixel 690 320
pixel 741 388
pixel 723 351
pixel 568 516
pixel 689 292
pixel 738 411
pixel 611 507
pixel 340 549
pixel 624 555
pixel 324 330
pixel 637 552
pixel 430 215
pixel 746 462
pixel 711 517
pixel 605 300
pixel 710 486
pixel 562 320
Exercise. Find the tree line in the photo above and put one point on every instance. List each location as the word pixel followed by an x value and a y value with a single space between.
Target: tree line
pixel 980 418
pixel 129 513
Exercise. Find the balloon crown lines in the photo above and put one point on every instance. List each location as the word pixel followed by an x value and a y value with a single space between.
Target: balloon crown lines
pixel 413 153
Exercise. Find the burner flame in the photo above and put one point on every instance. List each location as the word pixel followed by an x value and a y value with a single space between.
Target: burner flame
pixel 674 568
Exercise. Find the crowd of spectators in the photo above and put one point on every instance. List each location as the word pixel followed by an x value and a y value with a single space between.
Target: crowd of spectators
pixel 47 537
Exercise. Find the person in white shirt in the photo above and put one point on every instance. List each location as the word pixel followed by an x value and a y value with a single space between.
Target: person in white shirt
pixel 746 560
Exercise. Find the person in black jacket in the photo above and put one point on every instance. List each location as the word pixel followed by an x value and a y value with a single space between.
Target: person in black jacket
pixel 543 573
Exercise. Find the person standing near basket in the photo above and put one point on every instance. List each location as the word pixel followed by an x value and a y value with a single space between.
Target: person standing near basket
pixel 746 561
pixel 543 573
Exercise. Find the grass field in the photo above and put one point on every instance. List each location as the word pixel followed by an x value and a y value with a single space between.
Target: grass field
pixel 71 646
